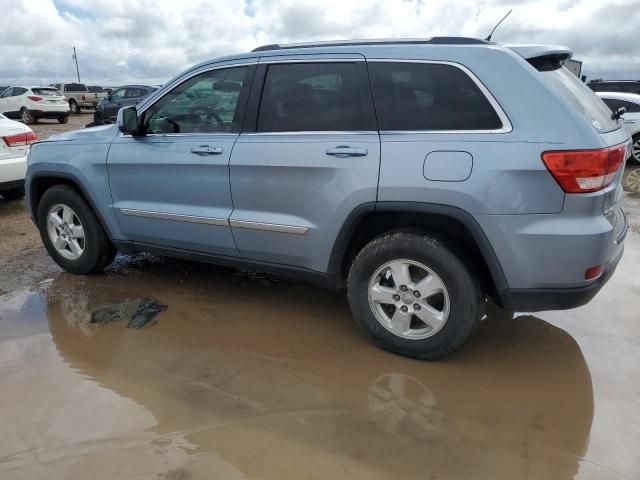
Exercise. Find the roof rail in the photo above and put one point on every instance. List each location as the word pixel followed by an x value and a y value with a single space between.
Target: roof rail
pixel 376 41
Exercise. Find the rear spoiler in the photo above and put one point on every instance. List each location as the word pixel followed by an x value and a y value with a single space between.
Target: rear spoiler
pixel 556 53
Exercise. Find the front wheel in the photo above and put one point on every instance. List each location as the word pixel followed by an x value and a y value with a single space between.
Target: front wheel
pixel 72 233
pixel 413 296
pixel 73 106
pixel 26 116
pixel 635 149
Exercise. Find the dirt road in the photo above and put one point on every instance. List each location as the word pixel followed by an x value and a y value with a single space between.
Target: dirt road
pixel 251 376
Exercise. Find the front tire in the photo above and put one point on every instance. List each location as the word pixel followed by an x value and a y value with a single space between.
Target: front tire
pixel 26 116
pixel 73 106
pixel 635 149
pixel 71 232
pixel 413 296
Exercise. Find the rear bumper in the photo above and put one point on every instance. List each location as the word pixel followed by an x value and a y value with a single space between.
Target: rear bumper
pixel 12 170
pixel 50 113
pixel 536 300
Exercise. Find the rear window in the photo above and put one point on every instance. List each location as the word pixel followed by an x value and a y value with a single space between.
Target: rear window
pixel 94 89
pixel 46 92
pixel 592 108
pixel 75 87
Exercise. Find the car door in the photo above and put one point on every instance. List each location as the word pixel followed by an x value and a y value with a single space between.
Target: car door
pixel 307 158
pixel 170 186
pixel 114 103
pixel 631 118
pixel 4 101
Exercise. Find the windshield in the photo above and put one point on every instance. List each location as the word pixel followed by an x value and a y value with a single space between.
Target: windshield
pixel 582 98
pixel 46 92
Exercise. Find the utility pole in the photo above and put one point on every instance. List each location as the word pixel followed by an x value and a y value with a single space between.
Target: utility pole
pixel 75 57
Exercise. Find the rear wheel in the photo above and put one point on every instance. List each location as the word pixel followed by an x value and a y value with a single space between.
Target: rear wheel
pixel 73 106
pixel 72 233
pixel 26 116
pixel 413 296
pixel 635 149
pixel 13 193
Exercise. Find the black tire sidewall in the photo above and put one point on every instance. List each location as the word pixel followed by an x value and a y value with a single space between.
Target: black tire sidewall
pixel 93 254
pixel 466 299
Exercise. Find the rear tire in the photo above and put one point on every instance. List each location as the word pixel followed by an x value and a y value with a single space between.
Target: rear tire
pixel 26 116
pixel 94 252
pixel 64 119
pixel 13 193
pixel 73 106
pixel 448 298
pixel 635 149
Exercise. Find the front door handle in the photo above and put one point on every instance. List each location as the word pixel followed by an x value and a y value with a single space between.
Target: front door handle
pixel 344 151
pixel 206 150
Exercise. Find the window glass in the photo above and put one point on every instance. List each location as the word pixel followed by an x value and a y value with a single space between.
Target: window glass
pixel 582 98
pixel 46 92
pixel 633 107
pixel 429 96
pixel 135 92
pixel 118 94
pixel 614 104
pixel 19 91
pixel 311 97
pixel 206 103
pixel 7 93
pixel 75 87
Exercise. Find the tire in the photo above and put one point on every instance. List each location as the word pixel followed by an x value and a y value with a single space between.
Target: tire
pixel 97 250
pixel 635 150
pixel 13 193
pixel 460 302
pixel 73 106
pixel 64 119
pixel 26 116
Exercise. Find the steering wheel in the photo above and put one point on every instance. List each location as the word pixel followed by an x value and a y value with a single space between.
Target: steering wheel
pixel 208 111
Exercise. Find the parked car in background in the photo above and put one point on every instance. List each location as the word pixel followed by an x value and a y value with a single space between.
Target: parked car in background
pixel 15 139
pixel 101 92
pixel 30 104
pixel 78 96
pixel 629 86
pixel 630 119
pixel 415 173
pixel 107 109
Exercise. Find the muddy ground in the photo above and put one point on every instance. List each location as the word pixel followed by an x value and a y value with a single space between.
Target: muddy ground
pixel 251 376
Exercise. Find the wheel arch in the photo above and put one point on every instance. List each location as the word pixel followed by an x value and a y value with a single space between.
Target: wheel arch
pixel 370 220
pixel 40 182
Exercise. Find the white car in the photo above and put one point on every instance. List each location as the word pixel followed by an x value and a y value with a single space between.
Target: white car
pixel 15 139
pixel 631 118
pixel 32 103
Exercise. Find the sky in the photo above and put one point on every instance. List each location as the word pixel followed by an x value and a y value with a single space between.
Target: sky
pixel 150 41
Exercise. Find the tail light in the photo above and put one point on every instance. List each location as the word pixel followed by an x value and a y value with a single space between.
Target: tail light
pixel 20 139
pixel 65 99
pixel 582 171
pixel 83 97
pixel 34 98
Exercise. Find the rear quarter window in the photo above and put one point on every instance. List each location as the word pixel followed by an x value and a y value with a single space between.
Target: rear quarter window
pixel 581 97
pixel 429 97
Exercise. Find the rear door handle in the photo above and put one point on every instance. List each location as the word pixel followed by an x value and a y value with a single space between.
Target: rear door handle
pixel 344 151
pixel 206 150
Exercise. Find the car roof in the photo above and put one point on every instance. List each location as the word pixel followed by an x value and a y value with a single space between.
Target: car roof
pixel 631 97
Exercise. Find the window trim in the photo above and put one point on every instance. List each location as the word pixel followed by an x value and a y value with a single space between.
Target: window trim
pixel 506 123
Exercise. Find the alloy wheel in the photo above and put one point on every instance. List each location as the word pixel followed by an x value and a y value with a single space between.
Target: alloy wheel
pixel 66 231
pixel 409 299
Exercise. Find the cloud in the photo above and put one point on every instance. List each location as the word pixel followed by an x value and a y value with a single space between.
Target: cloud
pixel 121 41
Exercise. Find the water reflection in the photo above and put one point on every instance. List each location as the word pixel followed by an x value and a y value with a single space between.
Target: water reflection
pixel 240 380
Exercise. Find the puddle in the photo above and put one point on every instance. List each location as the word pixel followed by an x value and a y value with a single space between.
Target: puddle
pixel 251 376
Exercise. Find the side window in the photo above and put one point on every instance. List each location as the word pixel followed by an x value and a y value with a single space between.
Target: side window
pixel 614 104
pixel 424 96
pixel 134 92
pixel 632 107
pixel 311 97
pixel 118 94
pixel 7 93
pixel 206 103
pixel 19 91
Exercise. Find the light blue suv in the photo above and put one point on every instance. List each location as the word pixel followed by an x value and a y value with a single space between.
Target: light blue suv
pixel 425 175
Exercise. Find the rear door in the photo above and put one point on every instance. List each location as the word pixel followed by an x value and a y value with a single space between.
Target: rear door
pixel 170 187
pixel 309 155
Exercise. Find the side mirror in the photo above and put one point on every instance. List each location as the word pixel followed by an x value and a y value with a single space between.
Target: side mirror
pixel 109 96
pixel 127 120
